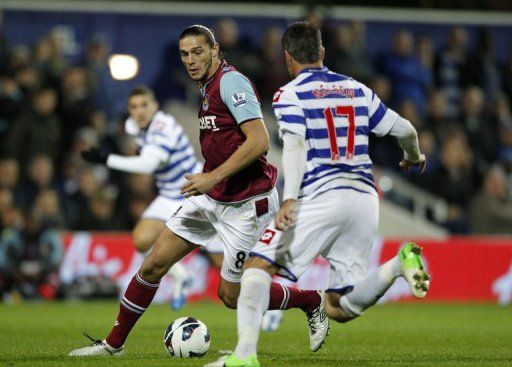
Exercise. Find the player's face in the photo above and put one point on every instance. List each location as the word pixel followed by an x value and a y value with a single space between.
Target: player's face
pixel 198 57
pixel 142 108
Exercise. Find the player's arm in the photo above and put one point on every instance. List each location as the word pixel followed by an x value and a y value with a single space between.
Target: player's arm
pixel 292 130
pixel 384 121
pixel 294 166
pixel 407 137
pixel 239 96
pixel 147 162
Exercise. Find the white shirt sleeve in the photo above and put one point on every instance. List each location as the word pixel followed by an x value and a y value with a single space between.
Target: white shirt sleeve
pixel 294 164
pixel 289 113
pixel 146 163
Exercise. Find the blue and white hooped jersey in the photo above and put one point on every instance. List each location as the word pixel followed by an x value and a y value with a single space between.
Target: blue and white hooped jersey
pixel 335 114
pixel 165 137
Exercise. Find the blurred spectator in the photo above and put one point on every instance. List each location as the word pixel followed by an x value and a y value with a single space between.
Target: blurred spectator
pixel 76 102
pixel 491 208
pixel 29 80
pixel 481 129
pixel 348 54
pixel 47 209
pixel 40 176
pixel 9 173
pixel 381 86
pixel 29 259
pixel 238 51
pixel 89 182
pixel 409 78
pixel 6 200
pixel 100 213
pixel 449 66
pixel 454 180
pixel 507 75
pixel 12 101
pixel 38 128
pixel 481 68
pixel 272 73
pixel 19 57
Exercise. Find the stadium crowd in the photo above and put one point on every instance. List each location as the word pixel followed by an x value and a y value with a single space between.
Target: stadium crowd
pixel 458 97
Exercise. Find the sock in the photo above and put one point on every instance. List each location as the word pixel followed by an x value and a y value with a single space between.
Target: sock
pixel 137 298
pixel 178 272
pixel 369 290
pixel 252 304
pixel 284 298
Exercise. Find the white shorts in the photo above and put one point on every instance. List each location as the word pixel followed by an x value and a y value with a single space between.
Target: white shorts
pixel 237 225
pixel 340 225
pixel 161 209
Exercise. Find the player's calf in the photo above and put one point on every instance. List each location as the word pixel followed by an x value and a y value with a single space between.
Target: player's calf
pixel 334 310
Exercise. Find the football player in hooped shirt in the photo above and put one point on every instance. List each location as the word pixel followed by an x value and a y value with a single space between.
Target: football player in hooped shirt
pixel 233 199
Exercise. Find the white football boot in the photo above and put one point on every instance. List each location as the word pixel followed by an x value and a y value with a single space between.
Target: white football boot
pixel 318 324
pixel 271 320
pixel 97 348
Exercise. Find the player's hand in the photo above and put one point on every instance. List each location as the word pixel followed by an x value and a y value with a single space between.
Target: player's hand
pixel 406 164
pixel 285 218
pixel 94 155
pixel 199 183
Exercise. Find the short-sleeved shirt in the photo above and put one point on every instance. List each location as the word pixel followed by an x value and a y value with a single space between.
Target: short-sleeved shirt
pixel 165 138
pixel 335 114
pixel 228 100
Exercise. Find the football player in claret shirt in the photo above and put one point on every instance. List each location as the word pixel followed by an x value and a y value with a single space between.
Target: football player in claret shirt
pixel 233 199
pixel 166 153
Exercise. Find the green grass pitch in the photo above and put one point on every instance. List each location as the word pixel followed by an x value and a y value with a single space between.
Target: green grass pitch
pixel 408 334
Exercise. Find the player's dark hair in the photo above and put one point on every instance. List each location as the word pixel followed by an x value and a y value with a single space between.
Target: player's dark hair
pixel 303 41
pixel 142 90
pixel 199 30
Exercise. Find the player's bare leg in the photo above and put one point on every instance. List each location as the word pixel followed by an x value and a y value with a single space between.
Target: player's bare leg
pixel 408 263
pixel 168 250
pixel 257 295
pixel 145 234
pixel 216 259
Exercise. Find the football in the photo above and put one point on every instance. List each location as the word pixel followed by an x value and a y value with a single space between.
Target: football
pixel 187 337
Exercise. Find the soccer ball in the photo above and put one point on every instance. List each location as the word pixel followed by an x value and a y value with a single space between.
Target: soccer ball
pixel 187 337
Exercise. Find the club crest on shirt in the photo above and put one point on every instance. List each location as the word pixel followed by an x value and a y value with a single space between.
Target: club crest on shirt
pixel 206 102
pixel 239 99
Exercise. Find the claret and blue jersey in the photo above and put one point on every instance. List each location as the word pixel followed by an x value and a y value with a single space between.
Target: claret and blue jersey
pixel 335 114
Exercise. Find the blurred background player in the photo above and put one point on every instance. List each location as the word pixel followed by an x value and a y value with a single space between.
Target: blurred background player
pixel 234 198
pixel 330 204
pixel 166 153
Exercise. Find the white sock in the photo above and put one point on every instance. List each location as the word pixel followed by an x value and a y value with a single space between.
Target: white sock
pixel 178 272
pixel 252 304
pixel 368 291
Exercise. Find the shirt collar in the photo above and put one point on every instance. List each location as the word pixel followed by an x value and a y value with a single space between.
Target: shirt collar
pixel 311 70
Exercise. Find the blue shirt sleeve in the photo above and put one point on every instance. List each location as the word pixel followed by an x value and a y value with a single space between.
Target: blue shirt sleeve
pixel 239 96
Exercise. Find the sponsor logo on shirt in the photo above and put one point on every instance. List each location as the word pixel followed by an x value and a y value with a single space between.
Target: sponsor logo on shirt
pixel 267 236
pixel 208 123
pixel 327 91
pixel 239 99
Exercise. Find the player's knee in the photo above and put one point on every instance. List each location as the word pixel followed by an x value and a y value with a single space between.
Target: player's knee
pixel 142 240
pixel 228 299
pixel 154 268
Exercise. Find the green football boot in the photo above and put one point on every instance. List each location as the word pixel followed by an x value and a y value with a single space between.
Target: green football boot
pixel 234 361
pixel 413 269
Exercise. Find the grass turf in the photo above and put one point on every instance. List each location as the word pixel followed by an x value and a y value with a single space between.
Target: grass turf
pixel 411 334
